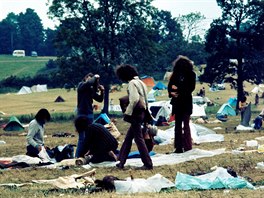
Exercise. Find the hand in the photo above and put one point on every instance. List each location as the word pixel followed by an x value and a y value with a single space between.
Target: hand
pixel 101 88
pixel 96 76
pixel 174 87
pixel 174 94
pixel 86 154
pixel 39 148
pixel 112 154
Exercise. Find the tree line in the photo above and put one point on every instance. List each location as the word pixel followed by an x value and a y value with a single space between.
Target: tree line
pixel 95 36
pixel 25 31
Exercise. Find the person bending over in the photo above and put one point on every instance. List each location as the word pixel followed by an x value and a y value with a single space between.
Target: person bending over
pixel 99 144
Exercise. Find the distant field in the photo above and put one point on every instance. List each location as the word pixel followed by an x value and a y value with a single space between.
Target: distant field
pixel 13 104
pixel 21 66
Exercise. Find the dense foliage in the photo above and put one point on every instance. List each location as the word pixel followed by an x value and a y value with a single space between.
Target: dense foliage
pixel 235 45
pixel 25 32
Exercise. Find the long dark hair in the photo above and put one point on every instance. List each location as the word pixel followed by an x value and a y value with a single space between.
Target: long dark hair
pixel 42 115
pixel 126 72
pixel 183 64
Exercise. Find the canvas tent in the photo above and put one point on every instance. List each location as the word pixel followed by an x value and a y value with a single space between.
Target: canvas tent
pixel 198 110
pixel 257 89
pixel 232 102
pixel 148 80
pixel 167 75
pixel 102 119
pixel 226 109
pixel 13 125
pixel 159 86
pixel 59 99
pixel 39 88
pixel 151 96
pixel 24 90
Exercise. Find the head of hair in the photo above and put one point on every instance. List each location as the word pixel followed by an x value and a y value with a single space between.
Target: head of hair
pixel 126 72
pixel 182 64
pixel 81 123
pixel 243 99
pixel 42 115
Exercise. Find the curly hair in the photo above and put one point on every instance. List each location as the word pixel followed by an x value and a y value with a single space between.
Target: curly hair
pixel 183 64
pixel 126 72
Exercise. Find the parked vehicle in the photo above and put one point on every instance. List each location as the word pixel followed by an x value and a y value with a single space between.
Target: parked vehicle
pixel 19 53
pixel 34 54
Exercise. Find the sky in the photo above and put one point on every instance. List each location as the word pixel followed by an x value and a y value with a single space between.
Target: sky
pixel 208 8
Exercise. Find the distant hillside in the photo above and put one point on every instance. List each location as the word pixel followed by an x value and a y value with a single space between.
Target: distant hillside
pixel 21 66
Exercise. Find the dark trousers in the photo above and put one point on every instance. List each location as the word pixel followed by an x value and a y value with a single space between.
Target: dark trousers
pixel 183 139
pixel 32 151
pixel 135 132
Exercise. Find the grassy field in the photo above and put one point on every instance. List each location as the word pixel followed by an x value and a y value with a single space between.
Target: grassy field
pixel 21 66
pixel 243 164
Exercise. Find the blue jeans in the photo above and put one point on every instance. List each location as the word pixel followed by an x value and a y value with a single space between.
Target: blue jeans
pixel 82 136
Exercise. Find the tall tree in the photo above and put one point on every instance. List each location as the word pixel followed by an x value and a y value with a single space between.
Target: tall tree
pixel 232 38
pixel 30 31
pixel 169 38
pixel 191 25
pixel 48 48
pixel 8 34
pixel 104 33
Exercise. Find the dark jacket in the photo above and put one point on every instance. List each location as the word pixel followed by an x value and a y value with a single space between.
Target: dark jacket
pixel 98 140
pixel 86 92
pixel 185 83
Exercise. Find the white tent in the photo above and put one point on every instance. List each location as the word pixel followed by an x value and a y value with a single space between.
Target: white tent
pixel 257 89
pixel 24 90
pixel 151 96
pixel 164 111
pixel 39 88
pixel 198 110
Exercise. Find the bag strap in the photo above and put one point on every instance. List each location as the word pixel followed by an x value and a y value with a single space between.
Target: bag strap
pixel 144 92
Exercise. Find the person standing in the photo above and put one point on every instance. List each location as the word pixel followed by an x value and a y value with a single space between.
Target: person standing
pixel 256 99
pixel 136 91
pixel 180 88
pixel 87 91
pixel 35 136
pixel 242 105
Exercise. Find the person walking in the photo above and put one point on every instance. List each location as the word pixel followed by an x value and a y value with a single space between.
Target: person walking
pixel 87 91
pixel 180 88
pixel 36 130
pixel 136 92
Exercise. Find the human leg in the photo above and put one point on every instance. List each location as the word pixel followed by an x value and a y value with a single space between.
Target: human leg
pixel 32 151
pixel 178 133
pixel 187 138
pixel 126 147
pixel 141 145
pixel 80 145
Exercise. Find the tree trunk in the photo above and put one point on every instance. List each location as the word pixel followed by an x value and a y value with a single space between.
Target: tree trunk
pixel 106 99
pixel 240 88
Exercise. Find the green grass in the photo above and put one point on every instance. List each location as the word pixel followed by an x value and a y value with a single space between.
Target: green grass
pixel 21 66
pixel 27 105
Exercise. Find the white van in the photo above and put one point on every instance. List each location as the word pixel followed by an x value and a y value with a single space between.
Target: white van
pixel 20 53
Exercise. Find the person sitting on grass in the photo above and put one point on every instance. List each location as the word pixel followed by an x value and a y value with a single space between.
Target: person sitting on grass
pixel 36 129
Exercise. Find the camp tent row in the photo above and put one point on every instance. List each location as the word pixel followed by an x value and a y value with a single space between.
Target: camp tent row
pixel 34 88
pixel 156 87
